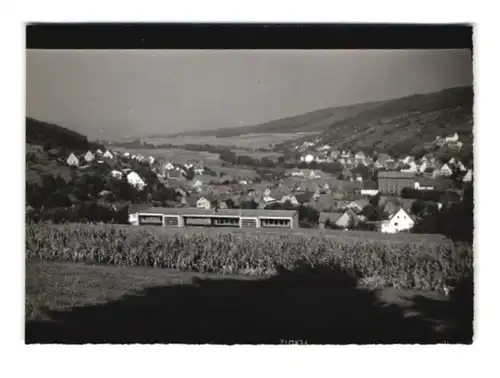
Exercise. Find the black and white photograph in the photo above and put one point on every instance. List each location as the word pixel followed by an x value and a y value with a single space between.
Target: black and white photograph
pixel 239 195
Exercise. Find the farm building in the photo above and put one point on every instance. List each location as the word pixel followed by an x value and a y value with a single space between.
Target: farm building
pixel 108 155
pixel 184 217
pixel 392 182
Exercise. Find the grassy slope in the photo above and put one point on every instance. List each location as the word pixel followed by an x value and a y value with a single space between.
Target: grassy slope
pixel 37 134
pixel 313 121
pixel 67 302
pixel 405 123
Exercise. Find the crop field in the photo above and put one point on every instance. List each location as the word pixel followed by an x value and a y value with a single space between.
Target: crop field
pixel 420 265
pixel 341 235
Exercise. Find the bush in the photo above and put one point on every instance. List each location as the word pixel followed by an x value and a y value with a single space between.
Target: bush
pixel 403 265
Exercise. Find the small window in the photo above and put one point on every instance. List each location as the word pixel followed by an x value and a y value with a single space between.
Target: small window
pixel 395 224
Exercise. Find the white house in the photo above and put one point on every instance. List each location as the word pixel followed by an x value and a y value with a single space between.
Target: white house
pixel 151 160
pixel 135 180
pixel 99 152
pixel 169 166
pixel 453 138
pixel 399 221
pixel 297 173
pixel 89 156
pixel 289 198
pixel 369 192
pixel 408 159
pixel 203 203
pixel 199 171
pixel 313 175
pixel 126 154
pixel 72 160
pixel 446 170
pixel 108 155
pixel 468 176
pixel 308 158
pixel 116 174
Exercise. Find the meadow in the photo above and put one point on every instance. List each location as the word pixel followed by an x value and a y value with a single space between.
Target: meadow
pixel 255 140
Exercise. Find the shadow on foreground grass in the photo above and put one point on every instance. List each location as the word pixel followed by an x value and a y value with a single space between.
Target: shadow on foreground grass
pixel 313 306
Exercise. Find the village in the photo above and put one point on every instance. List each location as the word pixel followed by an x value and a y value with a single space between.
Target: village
pixel 389 196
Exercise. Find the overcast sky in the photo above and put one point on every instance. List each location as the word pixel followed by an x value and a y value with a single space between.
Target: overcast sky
pixel 114 94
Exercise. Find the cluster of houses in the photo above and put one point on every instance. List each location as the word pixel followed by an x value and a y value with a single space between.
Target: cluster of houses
pixel 340 202
pixel 427 165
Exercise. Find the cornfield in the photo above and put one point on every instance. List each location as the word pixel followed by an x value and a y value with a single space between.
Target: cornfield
pixel 421 266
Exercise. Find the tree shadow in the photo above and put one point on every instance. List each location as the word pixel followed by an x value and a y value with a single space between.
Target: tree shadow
pixel 310 305
pixel 456 315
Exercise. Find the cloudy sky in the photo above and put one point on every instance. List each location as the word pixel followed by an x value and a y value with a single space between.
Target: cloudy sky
pixel 114 94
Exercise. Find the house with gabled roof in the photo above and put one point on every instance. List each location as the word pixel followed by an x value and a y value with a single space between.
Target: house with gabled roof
pixel 72 160
pixel 136 181
pixel 360 155
pixel 108 155
pixel 358 205
pixel 116 174
pixel 338 219
pixel 445 170
pixel 205 201
pixel 468 176
pixel 89 156
pixel 399 221
pixel 169 166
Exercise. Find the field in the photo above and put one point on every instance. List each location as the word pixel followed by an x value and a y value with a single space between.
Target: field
pixel 423 265
pixel 119 284
pixel 344 236
pixel 82 303
pixel 173 155
pixel 253 140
